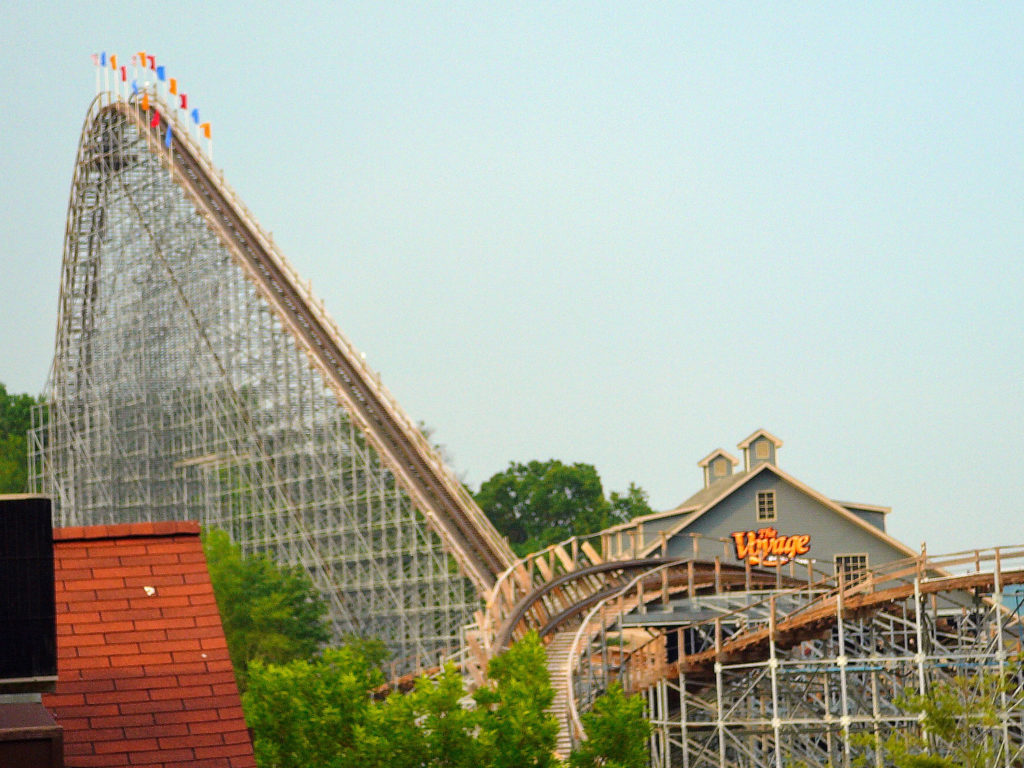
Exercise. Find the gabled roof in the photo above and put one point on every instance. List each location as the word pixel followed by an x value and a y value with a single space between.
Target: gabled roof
pixel 709 497
pixel 717 489
pixel 144 677
pixel 851 505
pixel 760 433
pixel 714 455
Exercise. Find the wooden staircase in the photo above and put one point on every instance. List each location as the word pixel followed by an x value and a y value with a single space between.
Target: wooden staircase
pixel 558 665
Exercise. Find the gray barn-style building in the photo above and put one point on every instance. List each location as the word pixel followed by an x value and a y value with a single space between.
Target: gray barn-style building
pixel 763 515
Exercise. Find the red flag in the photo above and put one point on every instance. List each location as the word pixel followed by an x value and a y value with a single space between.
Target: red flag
pixel 155 120
pixel 152 62
pixel 124 74
pixel 184 101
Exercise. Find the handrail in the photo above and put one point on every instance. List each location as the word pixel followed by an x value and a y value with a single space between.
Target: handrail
pixel 901 572
pixel 810 596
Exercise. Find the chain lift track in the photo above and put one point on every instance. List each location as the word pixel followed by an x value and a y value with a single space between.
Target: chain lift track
pixel 453 514
pixel 196 374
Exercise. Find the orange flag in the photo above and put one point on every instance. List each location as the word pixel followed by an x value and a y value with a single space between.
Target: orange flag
pixel 145 102
pixel 174 86
pixel 113 61
pixel 142 58
pixel 206 129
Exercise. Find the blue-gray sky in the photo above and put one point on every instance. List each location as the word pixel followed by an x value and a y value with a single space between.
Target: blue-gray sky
pixel 624 234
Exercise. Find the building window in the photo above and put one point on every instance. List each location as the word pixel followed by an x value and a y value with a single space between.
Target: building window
pixel 762 450
pixel 765 506
pixel 721 467
pixel 854 568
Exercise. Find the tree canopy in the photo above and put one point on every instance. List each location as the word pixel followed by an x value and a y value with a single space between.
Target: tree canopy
pixel 15 422
pixel 320 712
pixel 541 503
pixel 617 732
pixel 270 613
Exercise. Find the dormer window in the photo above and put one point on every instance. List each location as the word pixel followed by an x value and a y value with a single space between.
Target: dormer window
pixel 716 465
pixel 765 506
pixel 760 448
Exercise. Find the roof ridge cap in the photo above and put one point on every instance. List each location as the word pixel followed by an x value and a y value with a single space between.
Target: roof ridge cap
pixel 148 530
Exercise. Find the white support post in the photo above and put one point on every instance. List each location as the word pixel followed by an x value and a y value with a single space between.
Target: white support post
pixel 997 606
pixel 773 668
pixel 720 698
pixel 844 717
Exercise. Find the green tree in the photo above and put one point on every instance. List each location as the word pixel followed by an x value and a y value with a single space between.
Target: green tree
pixel 542 503
pixel 270 613
pixel 632 503
pixel 425 728
pixel 515 729
pixel 617 733
pixel 312 712
pixel 15 422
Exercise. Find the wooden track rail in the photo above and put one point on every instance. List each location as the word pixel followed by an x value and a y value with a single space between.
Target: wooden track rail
pixel 821 615
pixel 702 575
pixel 450 511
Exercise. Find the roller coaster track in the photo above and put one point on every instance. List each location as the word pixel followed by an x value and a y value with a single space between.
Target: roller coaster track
pixel 882 589
pixel 479 550
pixel 673 575
pixel 821 615
pixel 750 640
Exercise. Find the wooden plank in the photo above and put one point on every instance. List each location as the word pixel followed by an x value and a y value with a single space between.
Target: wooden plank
pixel 563 556
pixel 591 553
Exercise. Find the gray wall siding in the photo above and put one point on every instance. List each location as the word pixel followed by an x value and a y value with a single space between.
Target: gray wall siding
pixel 752 452
pixel 796 513
pixel 876 519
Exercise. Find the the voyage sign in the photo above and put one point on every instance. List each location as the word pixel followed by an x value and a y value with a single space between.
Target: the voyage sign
pixel 765 547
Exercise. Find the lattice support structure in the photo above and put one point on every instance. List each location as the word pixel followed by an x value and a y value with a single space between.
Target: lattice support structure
pixel 178 390
pixel 807 705
pixel 814 677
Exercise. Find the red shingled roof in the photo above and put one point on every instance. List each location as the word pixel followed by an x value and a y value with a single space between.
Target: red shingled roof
pixel 144 676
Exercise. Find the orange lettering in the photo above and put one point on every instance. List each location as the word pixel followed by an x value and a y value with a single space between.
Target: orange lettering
pixel 743 548
pixel 764 546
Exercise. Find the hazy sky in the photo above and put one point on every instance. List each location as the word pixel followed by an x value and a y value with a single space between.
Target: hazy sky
pixel 620 234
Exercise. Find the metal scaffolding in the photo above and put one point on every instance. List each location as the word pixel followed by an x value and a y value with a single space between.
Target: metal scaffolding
pixel 815 675
pixel 195 376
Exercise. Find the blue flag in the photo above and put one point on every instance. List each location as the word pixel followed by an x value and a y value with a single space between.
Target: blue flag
pixel 167 138
pixel 195 116
pixel 135 88
pixel 161 73
pixel 103 59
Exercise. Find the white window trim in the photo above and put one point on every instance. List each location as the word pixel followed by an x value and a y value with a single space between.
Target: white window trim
pixel 757 507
